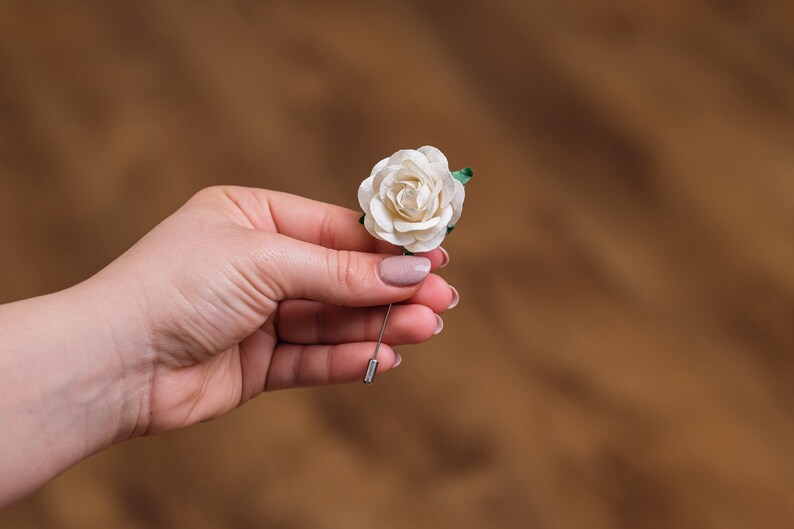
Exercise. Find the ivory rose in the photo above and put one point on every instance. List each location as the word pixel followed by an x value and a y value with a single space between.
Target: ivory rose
pixel 411 198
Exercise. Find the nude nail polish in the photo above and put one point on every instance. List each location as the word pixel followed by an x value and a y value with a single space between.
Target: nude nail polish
pixel 445 261
pixel 403 270
pixel 439 324
pixel 455 298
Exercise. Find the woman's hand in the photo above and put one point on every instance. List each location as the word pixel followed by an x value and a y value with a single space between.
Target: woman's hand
pixel 238 292
pixel 247 290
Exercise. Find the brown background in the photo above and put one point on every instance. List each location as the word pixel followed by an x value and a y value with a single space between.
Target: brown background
pixel 623 355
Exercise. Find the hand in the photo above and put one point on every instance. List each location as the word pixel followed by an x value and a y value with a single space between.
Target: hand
pixel 240 291
pixel 246 290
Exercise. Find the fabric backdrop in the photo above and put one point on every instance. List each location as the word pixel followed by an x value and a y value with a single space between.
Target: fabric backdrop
pixel 623 354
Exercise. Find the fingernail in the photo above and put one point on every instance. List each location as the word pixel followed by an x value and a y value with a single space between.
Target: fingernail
pixel 404 270
pixel 445 261
pixel 398 359
pixel 439 324
pixel 455 298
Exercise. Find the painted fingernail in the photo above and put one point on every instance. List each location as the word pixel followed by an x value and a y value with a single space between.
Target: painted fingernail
pixel 439 324
pixel 455 298
pixel 445 261
pixel 404 270
pixel 398 359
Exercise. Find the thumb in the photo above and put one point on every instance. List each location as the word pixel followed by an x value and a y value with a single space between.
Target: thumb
pixel 341 277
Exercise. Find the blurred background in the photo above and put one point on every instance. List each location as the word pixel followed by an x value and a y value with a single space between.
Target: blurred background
pixel 623 355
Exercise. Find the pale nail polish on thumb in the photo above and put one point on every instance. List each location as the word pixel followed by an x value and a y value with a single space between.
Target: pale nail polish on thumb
pixel 403 270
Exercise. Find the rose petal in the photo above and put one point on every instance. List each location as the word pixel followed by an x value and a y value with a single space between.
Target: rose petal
pixel 434 155
pixel 393 194
pixel 381 176
pixel 365 194
pixel 416 170
pixel 399 157
pixel 428 234
pixel 443 222
pixel 457 203
pixel 426 246
pixel 410 215
pixel 381 215
pixel 401 225
pixel 393 177
pixel 423 196
pixel 398 196
pixel 400 239
pixel 400 211
pixel 432 209
pixel 378 167
pixel 406 198
pixel 436 200
pixel 448 192
pixel 438 168
pixel 369 224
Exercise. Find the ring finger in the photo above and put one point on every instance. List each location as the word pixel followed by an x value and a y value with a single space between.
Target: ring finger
pixel 310 322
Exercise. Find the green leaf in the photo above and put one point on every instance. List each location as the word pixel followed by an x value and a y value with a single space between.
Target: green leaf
pixel 463 175
pixel 450 228
pixel 361 220
pixel 407 252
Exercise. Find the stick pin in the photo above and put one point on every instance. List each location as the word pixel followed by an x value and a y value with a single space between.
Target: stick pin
pixel 372 366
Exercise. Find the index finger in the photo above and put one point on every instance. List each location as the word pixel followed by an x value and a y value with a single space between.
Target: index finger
pixel 315 222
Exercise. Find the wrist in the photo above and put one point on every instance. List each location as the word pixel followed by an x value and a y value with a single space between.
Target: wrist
pixel 117 338
pixel 72 383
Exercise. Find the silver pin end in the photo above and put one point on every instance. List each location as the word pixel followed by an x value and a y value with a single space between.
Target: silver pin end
pixel 371 368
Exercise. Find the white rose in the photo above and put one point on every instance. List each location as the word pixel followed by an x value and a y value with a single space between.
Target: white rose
pixel 410 198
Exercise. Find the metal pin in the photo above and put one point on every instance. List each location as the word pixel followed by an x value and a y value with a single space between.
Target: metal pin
pixel 372 366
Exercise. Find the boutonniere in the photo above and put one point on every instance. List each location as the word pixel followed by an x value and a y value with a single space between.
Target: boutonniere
pixel 413 200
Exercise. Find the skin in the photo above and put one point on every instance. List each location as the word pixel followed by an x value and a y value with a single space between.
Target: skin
pixel 240 291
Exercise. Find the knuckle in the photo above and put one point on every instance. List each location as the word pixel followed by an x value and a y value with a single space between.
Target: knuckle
pixel 327 237
pixel 208 192
pixel 211 194
pixel 345 268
